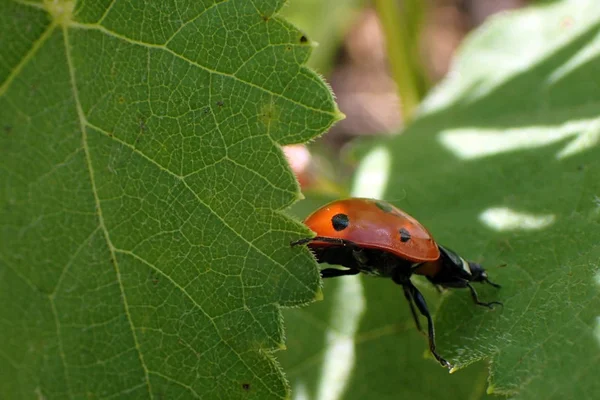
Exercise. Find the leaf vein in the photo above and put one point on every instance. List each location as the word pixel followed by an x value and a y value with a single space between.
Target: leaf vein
pixel 82 123
pixel 52 294
pixel 201 66
pixel 192 20
pixel 19 67
pixel 198 306
pixel 106 12
pixel 230 228
pixel 168 378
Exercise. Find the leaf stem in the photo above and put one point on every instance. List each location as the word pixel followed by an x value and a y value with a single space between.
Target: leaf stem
pixel 401 29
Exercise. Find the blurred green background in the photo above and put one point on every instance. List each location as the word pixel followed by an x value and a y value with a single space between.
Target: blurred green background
pixel 499 161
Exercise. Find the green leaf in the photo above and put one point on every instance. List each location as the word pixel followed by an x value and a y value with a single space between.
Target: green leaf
pixel 143 250
pixel 532 172
pixel 503 166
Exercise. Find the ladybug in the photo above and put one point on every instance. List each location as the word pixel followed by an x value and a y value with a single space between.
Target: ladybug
pixel 376 238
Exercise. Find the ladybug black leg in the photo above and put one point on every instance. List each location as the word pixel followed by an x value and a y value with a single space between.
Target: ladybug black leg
pixel 412 308
pixel 480 303
pixel 422 306
pixel 340 242
pixel 334 272
pixel 360 256
pixel 492 283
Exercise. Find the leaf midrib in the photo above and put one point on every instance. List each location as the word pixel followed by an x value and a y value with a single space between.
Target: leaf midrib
pixel 111 248
pixel 84 124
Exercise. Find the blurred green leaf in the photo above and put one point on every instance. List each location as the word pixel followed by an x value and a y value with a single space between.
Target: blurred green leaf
pixel 325 22
pixel 143 253
pixel 402 26
pixel 503 166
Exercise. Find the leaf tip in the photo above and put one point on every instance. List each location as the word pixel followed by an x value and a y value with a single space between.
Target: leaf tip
pixel 338 115
pixel 319 294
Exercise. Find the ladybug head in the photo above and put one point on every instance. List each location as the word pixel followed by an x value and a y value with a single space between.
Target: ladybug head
pixel 475 271
pixel 479 275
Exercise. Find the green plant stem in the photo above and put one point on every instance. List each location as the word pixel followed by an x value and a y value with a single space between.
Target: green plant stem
pixel 399 39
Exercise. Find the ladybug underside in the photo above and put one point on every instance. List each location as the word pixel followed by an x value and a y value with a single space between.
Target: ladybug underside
pixel 368 261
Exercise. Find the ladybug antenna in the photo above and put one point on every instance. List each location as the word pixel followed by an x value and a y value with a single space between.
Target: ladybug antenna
pixel 486 279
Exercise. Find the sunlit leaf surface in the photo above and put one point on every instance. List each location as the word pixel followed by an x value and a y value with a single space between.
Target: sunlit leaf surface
pixel 502 166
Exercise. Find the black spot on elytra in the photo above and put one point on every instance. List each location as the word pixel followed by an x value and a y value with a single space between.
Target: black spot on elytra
pixel 303 39
pixel 340 222
pixel 385 207
pixel 404 235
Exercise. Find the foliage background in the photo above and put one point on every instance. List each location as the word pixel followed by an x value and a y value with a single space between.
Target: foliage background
pixel 501 163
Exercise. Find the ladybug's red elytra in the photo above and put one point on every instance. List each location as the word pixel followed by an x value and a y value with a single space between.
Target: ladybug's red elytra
pixel 376 238
pixel 373 224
